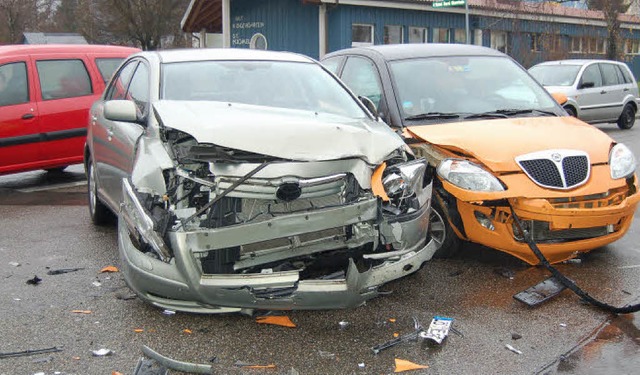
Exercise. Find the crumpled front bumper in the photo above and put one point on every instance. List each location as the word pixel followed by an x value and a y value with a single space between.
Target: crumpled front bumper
pixel 180 284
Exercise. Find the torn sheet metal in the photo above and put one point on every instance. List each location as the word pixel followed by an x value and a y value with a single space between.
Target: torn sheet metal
pixel 172 364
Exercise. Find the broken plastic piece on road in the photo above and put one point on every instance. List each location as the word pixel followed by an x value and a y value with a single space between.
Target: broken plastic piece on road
pixel 116 373
pixel 172 364
pixel 540 292
pixel 327 355
pixel 343 325
pixel 43 359
pixel 29 352
pixel 563 325
pixel 14 264
pixel 438 329
pixel 35 281
pixel 418 330
pixel 516 336
pixel 396 334
pixel 392 320
pixel 138 330
pixel 505 272
pixel 96 283
pixel 109 269
pixel 574 261
pixel 279 320
pixel 81 311
pixel 252 365
pixel 187 331
pixel 102 352
pixel 75 358
pixel 512 349
pixel 404 365
pixel 361 365
pixel 62 271
pixel 169 312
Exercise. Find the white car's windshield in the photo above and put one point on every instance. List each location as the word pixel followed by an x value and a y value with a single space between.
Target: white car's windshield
pixel 466 86
pixel 555 75
pixel 302 86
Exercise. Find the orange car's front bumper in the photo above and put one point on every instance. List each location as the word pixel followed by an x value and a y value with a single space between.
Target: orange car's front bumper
pixel 572 224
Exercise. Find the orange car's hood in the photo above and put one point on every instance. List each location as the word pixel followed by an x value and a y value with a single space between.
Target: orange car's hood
pixel 496 143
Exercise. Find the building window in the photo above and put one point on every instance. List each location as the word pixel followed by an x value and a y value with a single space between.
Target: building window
pixel 536 42
pixel 477 37
pixel 440 35
pixel 418 34
pixel 632 47
pixel 361 35
pixel 575 44
pixel 602 46
pixel 499 40
pixel 460 36
pixel 392 34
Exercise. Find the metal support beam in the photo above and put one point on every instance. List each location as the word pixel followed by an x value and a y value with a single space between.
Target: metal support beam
pixel 322 30
pixel 226 23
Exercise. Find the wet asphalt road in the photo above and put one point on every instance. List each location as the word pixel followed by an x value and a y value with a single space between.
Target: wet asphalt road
pixel 49 229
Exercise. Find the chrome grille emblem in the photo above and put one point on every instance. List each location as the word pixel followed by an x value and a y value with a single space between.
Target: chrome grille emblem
pixel 556 169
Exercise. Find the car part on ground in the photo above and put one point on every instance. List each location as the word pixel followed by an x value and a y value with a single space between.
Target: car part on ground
pixel 234 194
pixel 498 139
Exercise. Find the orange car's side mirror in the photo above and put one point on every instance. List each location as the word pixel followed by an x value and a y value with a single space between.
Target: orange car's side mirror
pixel 560 97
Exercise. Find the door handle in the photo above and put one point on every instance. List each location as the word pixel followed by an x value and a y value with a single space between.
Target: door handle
pixel 28 116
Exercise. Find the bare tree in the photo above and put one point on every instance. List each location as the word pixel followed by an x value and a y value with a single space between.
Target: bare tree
pixel 144 22
pixel 18 16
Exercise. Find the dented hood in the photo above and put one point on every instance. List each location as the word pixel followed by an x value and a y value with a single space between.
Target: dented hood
pixel 496 143
pixel 282 133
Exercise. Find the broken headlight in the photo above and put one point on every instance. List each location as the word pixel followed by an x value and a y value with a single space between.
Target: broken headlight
pixel 467 175
pixel 621 161
pixel 402 185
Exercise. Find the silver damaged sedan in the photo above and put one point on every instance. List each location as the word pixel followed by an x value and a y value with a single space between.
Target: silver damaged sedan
pixel 248 179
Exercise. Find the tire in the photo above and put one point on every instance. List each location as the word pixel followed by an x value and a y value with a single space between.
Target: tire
pixel 628 117
pixel 99 212
pixel 570 111
pixel 441 232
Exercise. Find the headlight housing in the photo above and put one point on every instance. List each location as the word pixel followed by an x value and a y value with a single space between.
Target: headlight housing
pixel 621 161
pixel 404 187
pixel 467 175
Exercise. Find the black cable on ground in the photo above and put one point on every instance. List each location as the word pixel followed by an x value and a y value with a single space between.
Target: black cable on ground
pixel 565 281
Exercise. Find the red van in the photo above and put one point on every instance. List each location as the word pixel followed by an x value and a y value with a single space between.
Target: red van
pixel 45 95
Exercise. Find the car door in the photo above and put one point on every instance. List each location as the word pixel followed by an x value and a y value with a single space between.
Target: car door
pixel 124 136
pixel 589 94
pixel 65 92
pixel 106 156
pixel 19 121
pixel 612 92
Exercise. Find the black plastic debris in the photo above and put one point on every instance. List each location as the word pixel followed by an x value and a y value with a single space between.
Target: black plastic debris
pixel 63 270
pixel 35 281
pixel 540 292
pixel 29 352
pixel 516 336
pixel 505 272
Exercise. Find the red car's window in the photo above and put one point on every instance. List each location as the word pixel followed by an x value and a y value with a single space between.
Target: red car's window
pixel 63 79
pixel 13 84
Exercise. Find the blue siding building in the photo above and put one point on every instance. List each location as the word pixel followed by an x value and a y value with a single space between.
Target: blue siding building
pixel 529 31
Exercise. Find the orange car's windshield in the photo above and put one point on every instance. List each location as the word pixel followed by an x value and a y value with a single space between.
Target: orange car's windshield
pixel 466 86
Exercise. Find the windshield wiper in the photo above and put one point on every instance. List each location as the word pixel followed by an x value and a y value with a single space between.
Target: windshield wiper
pixel 503 113
pixel 432 116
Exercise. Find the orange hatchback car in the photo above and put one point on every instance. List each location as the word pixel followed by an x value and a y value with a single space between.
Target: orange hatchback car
pixel 500 142
pixel 45 95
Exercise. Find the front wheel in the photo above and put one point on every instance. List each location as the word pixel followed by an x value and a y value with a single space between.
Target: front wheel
pixel 627 118
pixel 442 234
pixel 99 212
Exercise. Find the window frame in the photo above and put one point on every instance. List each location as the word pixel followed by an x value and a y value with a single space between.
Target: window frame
pixel 371 34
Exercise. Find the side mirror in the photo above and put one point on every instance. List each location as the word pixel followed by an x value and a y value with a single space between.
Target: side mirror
pixel 586 85
pixel 121 110
pixel 559 97
pixel 368 103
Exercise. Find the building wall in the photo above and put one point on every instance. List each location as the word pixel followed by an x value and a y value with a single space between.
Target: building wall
pixel 287 25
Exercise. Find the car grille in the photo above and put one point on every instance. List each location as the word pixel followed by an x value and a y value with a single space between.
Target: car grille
pixel 540 232
pixel 558 169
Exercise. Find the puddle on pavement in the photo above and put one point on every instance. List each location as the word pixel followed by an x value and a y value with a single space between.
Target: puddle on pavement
pixel 614 350
pixel 67 188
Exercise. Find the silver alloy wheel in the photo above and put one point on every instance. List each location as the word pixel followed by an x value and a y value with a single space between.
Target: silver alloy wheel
pixel 437 228
pixel 92 189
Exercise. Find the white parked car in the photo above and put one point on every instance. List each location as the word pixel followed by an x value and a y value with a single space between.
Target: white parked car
pixel 598 91
pixel 252 180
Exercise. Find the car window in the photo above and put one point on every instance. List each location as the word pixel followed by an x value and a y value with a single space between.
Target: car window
pixel 625 72
pixel 118 87
pixel 592 74
pixel 555 75
pixel 609 74
pixel 13 84
pixel 465 85
pixel 362 77
pixel 281 84
pixel 63 79
pixel 139 88
pixel 107 66
pixel 332 64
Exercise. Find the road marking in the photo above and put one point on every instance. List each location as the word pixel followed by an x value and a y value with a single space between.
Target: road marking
pixel 634 266
pixel 52 187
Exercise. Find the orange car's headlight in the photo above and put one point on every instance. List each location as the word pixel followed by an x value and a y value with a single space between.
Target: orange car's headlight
pixel 467 175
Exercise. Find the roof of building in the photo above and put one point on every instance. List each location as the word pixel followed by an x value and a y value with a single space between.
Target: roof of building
pixel 207 14
pixel 53 38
